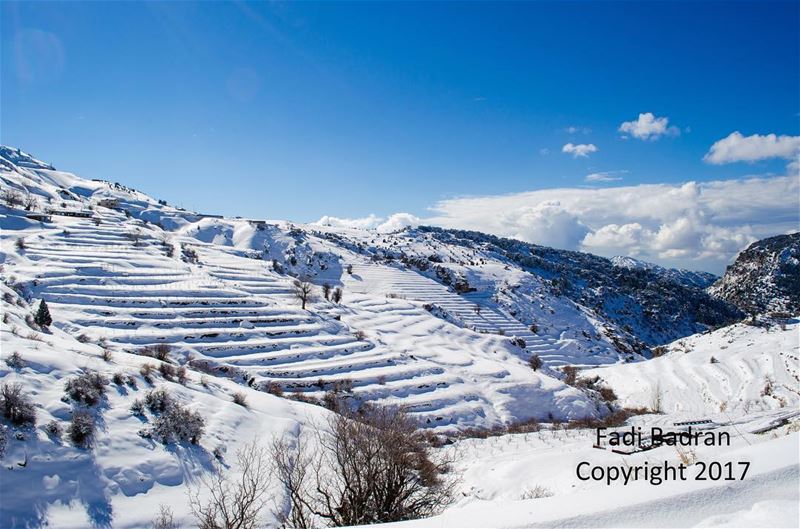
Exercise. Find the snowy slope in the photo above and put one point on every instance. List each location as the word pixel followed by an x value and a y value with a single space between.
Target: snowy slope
pixel 728 372
pixel 124 478
pixel 503 472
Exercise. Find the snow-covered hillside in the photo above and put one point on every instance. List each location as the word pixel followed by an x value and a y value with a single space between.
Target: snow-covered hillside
pixel 765 277
pixel 442 323
pixel 733 370
pixel 751 389
pixel 121 481
pixel 529 480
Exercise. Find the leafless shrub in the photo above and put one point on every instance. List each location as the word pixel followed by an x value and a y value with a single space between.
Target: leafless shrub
pixel 658 351
pixel 336 295
pixel 107 355
pixel 81 429
pixel 536 492
pixel 15 361
pixel 164 519
pixel 768 387
pixel 570 375
pixel 147 373
pixel 35 336
pixel 359 335
pixel 118 378
pixel 88 387
pixel 535 362
pixel 234 502
pixel 83 338
pixel 180 374
pixel 16 405
pixel 167 371
pixel 178 424
pixel 158 351
pixel 240 399
pixel 137 407
pixel 20 244
pixel 53 429
pixel 157 400
pixel 274 388
pixel 655 399
pixel 607 394
pixel 373 466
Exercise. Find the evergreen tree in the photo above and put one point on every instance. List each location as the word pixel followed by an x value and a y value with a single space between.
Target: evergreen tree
pixel 43 318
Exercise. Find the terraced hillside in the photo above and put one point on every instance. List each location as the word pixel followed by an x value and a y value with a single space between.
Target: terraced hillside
pixel 119 281
pixel 473 310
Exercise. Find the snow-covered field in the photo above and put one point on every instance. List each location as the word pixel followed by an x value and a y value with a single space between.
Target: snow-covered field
pixel 444 330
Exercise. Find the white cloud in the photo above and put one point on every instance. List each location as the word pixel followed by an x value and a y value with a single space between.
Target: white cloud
pixel 738 148
pixel 364 223
pixel 604 176
pixel 576 129
pixel 693 225
pixel 581 149
pixel 395 222
pixel 649 127
pixel 544 151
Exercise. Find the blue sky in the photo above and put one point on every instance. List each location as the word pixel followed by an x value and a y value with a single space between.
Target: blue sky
pixel 347 109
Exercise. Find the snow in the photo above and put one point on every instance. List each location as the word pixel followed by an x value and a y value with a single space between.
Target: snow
pixel 445 331
pixel 745 360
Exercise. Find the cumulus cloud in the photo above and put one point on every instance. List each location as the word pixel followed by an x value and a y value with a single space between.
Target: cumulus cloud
pixel 649 127
pixel 582 149
pixel 604 176
pixel 395 222
pixel 738 148
pixel 693 225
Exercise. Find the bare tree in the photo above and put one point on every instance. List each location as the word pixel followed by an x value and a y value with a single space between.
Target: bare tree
pixel 302 291
pixel 293 469
pixel 164 519
pixel 326 291
pixel 30 202
pixel 12 197
pixel 373 466
pixel 234 503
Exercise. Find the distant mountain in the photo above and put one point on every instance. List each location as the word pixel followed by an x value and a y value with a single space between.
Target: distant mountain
pixel 765 277
pixel 681 276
